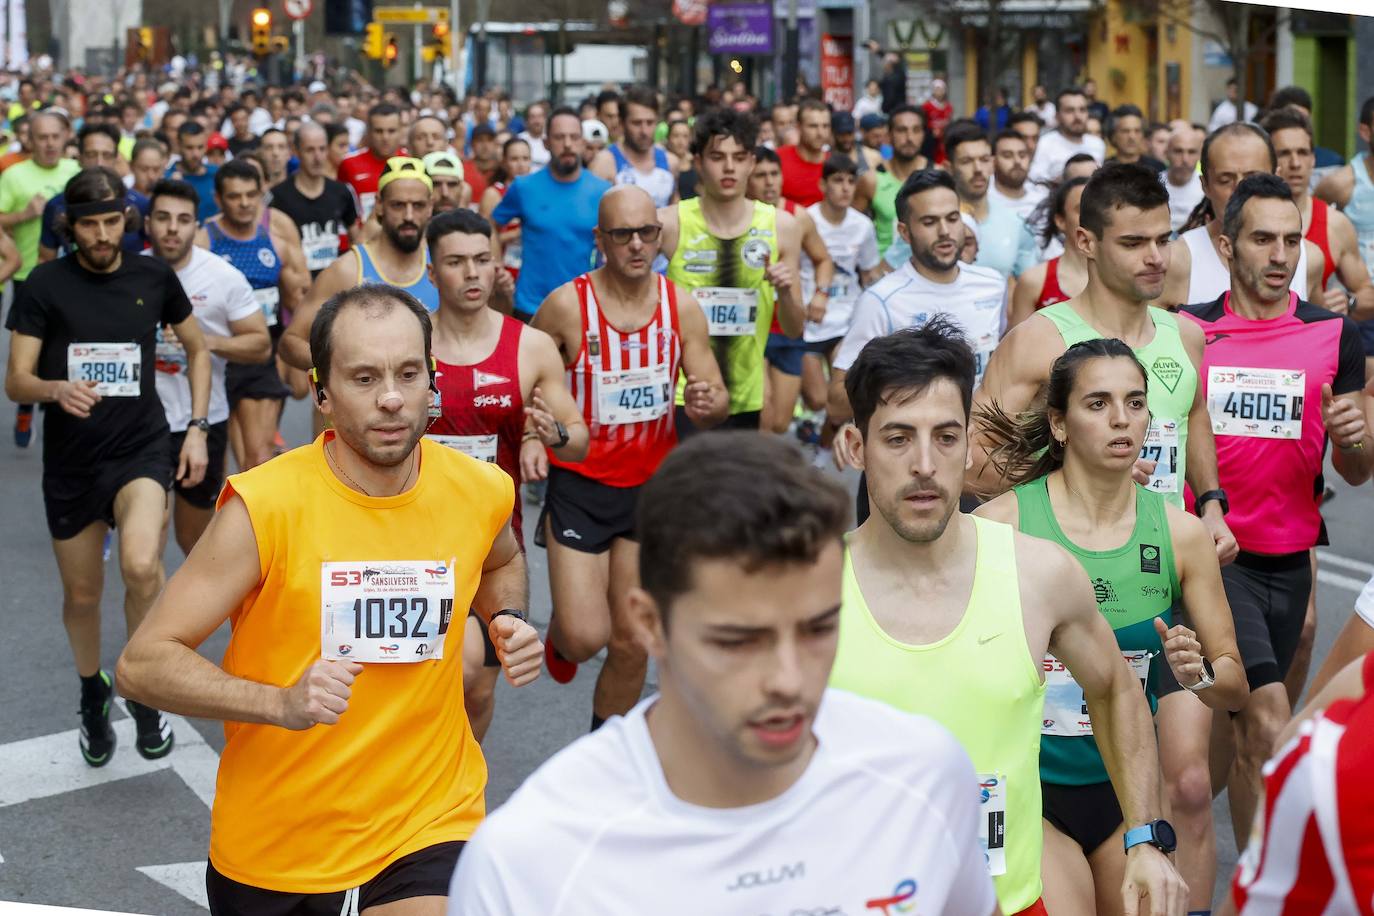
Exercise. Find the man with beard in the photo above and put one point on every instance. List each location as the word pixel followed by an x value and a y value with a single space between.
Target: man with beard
pixel 84 331
pixel 234 329
pixel 275 152
pixel 1068 139
pixel 1127 132
pixel 1011 156
pixel 323 209
pixel 557 209
pixel 451 191
pixel 192 145
pixel 638 161
pixel 269 254
pixel 907 130
pixel 396 257
pixel 536 123
pixel 341 564
pixel 802 162
pixel 361 170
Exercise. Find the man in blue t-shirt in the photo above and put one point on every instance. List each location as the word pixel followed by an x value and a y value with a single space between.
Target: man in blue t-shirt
pixel 98 146
pixel 557 209
pixel 192 168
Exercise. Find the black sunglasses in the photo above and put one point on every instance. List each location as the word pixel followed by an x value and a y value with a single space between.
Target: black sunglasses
pixel 647 234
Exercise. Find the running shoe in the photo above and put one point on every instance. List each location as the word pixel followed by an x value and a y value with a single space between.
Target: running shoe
pixel 23 426
pixel 97 738
pixel 155 738
pixel 560 669
pixel 278 444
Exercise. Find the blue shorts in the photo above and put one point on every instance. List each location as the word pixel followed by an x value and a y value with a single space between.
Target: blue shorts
pixel 823 348
pixel 785 353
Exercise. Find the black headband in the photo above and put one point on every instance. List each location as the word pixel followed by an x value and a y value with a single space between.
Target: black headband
pixel 95 208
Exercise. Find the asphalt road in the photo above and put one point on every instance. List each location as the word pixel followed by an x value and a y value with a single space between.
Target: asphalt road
pixel 132 837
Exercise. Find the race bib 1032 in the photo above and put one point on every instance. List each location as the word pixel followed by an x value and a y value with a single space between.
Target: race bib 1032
pixel 390 611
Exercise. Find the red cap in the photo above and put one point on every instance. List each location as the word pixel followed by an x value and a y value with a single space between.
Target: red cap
pixel 217 141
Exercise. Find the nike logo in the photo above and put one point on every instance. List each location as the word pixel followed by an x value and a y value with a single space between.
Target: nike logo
pixel 983 640
pixel 1208 341
pixel 569 533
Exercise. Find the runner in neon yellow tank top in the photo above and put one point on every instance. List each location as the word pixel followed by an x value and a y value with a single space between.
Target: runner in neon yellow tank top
pixel 1143 556
pixel 739 256
pixel 950 615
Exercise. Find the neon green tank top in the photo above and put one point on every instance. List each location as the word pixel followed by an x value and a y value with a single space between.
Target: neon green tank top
pixel 1172 387
pixel 885 209
pixel 979 682
pixel 1133 584
pixel 727 277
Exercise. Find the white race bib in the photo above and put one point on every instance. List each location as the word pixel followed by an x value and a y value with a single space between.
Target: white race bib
pixel 1259 403
pixel 366 201
pixel 385 611
pixel 483 448
pixel 632 396
pixel 1161 447
pixel 1066 712
pixel 992 821
pixel 114 367
pixel 982 353
pixel 512 256
pixel 730 312
pixel 267 300
pixel 321 253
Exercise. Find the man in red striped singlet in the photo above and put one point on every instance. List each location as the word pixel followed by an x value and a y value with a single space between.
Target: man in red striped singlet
pixel 624 332
pixel 500 396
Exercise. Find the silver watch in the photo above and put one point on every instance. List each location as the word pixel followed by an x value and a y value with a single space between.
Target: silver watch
pixel 1209 677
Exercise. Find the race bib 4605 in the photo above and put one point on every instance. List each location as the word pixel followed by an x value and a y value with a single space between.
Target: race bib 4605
pixel 1258 403
pixel 391 611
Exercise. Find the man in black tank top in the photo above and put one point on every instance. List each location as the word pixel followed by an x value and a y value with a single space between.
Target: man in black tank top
pixel 322 209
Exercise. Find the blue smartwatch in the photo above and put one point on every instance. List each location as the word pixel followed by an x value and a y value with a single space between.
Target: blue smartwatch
pixel 1159 834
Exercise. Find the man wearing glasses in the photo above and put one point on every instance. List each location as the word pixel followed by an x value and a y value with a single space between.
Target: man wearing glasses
pixel 625 334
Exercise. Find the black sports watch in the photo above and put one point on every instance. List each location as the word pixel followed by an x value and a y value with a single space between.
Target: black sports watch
pixel 562 434
pixel 1219 495
pixel 511 612
pixel 200 423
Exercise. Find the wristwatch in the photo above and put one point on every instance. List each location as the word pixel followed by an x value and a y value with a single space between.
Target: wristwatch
pixel 562 434
pixel 1219 495
pixel 1209 677
pixel 511 612
pixel 1159 834
pixel 200 423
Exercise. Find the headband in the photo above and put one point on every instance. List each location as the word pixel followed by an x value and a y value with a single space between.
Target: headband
pixel 95 208
pixel 401 167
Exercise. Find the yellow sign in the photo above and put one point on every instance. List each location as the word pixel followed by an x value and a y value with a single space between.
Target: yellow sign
pixel 409 15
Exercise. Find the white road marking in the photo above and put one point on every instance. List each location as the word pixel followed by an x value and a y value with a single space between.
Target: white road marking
pixel 1335 559
pixel 1338 580
pixel 186 878
pixel 34 909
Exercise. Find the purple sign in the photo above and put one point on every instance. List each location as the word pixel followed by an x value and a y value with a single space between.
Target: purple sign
pixel 740 28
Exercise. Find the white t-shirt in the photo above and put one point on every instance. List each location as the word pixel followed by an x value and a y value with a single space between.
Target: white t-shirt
pixel 1055 149
pixel 539 152
pixel 219 294
pixel 1023 205
pixel 976 301
pixel 1046 111
pixel 1182 199
pixel 853 244
pixel 1225 113
pixel 887 807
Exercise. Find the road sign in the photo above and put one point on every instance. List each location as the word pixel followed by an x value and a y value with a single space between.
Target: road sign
pixel 409 15
pixel 298 9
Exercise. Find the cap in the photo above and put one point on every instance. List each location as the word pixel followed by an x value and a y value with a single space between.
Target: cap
pixel 593 131
pixel 483 130
pixel 399 167
pixel 872 120
pixel 443 163
pixel 217 141
pixel 317 86
pixel 842 122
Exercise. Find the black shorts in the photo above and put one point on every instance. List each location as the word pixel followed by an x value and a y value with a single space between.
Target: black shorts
pixel 1268 596
pixel 585 514
pixel 254 381
pixel 747 420
pixel 1367 335
pixel 203 494
pixel 823 347
pixel 1088 815
pixel 489 659
pixel 421 874
pixel 74 501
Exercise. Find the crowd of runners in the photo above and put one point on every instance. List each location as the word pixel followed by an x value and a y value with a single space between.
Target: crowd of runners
pixel 1092 400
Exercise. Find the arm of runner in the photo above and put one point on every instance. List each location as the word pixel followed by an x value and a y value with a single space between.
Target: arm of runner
pixel 784 275
pixel 864 189
pixel 1344 416
pixel 1012 379
pixel 295 276
pixel 814 247
pixel 294 345
pixel 195 457
pixel 1316 269
pixel 870 321
pixel 23 386
pixel 249 341
pixel 10 258
pixel 1212 635
pixel 675 168
pixel 1202 473
pixel 202 239
pixel 1025 294
pixel 1082 639
pixel 1350 269
pixel 705 399
pixel 1338 187
pixel 161 667
pixel 508 207
pixel 490 198
pixel 550 402
pixel 504 585
pixel 603 166
pixel 32 210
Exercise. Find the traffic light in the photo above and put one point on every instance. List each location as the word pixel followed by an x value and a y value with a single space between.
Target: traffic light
pixel 391 52
pixel 374 41
pixel 262 31
pixel 443 36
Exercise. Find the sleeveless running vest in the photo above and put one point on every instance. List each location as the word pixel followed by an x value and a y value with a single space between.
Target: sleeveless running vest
pixel 885 209
pixel 1208 278
pixel 1172 387
pixel 1360 209
pixel 979 682
pixel 1051 292
pixel 420 287
pixel 482 412
pixel 622 381
pixel 1318 233
pixel 1133 584
pixel 257 260
pixel 512 253
pixel 658 181
pixel 727 277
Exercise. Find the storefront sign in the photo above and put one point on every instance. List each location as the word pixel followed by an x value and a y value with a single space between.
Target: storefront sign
pixel 740 28
pixel 837 71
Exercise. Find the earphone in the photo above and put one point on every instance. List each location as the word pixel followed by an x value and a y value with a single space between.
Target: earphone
pixel 319 388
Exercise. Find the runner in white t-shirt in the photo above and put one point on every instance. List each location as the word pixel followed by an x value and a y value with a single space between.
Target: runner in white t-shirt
pixel 745 786
pixel 852 242
pixel 234 328
pixel 1056 147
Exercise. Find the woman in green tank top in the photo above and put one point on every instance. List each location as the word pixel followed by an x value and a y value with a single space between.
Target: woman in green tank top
pixel 1072 462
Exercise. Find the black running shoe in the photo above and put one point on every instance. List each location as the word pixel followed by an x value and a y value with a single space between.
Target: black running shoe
pixel 155 738
pixel 97 737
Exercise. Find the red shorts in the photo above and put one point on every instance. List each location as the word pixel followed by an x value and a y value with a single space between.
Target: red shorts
pixel 1035 909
